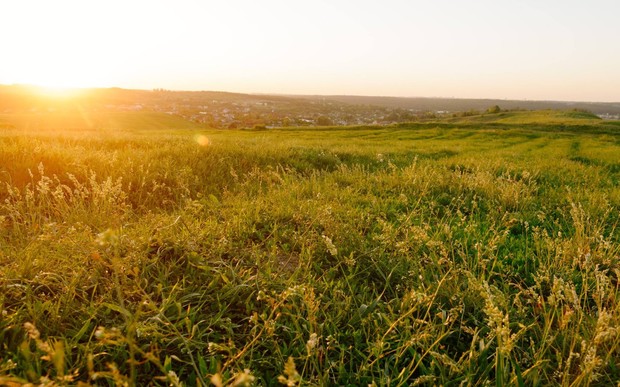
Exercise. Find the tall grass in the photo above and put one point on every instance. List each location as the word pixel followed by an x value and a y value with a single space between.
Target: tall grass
pixel 386 256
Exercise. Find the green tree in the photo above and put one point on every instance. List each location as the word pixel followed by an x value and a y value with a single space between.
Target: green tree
pixel 494 109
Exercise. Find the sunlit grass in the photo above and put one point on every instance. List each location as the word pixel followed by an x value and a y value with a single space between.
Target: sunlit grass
pixel 431 253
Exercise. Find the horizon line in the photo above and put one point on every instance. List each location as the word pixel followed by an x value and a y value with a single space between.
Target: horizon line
pixel 154 89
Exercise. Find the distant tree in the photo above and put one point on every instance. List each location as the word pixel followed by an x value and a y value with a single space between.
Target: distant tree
pixel 428 114
pixel 323 121
pixel 469 113
pixel 494 109
pixel 582 110
pixel 393 117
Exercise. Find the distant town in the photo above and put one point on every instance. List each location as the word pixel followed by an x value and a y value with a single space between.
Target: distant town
pixel 236 111
pixel 268 111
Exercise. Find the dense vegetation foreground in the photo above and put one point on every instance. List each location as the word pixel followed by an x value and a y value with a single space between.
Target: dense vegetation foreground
pixel 458 252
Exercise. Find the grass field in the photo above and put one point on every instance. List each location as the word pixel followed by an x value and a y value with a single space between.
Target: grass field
pixel 136 248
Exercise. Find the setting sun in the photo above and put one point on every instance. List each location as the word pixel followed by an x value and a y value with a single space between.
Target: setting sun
pixel 58 83
pixel 58 92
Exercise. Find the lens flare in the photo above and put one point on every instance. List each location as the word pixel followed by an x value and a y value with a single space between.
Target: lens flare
pixel 202 140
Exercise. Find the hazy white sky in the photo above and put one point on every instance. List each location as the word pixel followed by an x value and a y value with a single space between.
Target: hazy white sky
pixel 529 49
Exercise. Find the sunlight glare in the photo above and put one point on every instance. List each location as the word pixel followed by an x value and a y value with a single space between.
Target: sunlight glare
pixel 58 92
pixel 202 140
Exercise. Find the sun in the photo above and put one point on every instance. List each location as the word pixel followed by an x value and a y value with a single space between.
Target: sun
pixel 58 92
pixel 51 83
pixel 56 75
pixel 58 81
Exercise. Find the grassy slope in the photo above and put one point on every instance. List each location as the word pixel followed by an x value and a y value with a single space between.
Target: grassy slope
pixel 79 120
pixel 545 117
pixel 440 252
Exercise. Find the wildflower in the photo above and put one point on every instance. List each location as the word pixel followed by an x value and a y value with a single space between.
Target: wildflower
pixel 261 295
pixel 34 334
pixel 108 238
pixel 605 329
pixel 311 344
pixel 292 376
pixel 296 290
pixel 350 260
pixel 174 379
pixel 499 322
pixel 100 333
pixel 32 331
pixel 563 292
pixel 332 342
pixel 330 245
pixel 254 319
pixel 270 326
pixel 590 361
pixel 243 378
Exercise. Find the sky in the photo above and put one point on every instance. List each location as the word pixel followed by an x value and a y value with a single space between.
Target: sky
pixel 529 49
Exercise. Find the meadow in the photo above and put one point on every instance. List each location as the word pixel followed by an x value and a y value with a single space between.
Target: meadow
pixel 137 249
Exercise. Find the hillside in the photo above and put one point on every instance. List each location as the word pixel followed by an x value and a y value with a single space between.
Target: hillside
pixel 234 110
pixel 80 120
pixel 460 104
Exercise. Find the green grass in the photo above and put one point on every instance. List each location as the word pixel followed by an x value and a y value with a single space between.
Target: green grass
pixel 546 117
pixel 449 252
